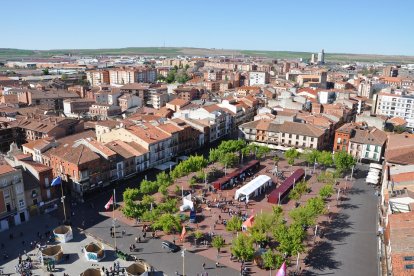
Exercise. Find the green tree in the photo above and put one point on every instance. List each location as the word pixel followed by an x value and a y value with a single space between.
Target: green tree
pixel 326 191
pixel 311 156
pixel 290 238
pixel 46 71
pixel 130 195
pixel 400 129
pixel 300 189
pixel 163 190
pixel 272 260
pixel 164 179
pixel 234 224
pixel 198 235
pixel 148 187
pixel 316 205
pixel 325 159
pixel 186 67
pixel 343 161
pixel 303 216
pixel 229 160
pixel 218 243
pixel 147 200
pixel 242 247
pixel 168 223
pixel 291 154
pixel 171 76
pixel 161 78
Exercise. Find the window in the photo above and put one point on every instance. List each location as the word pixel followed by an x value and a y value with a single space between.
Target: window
pixel 312 139
pixel 409 266
pixel 21 203
pixel 344 142
pixel 338 141
pixel 6 193
pixel 376 149
pixel 368 147
pixel 409 258
pixel 343 148
pixel 19 189
pixel 375 156
pixel 366 154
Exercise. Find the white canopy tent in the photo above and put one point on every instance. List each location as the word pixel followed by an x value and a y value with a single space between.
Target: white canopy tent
pixel 372 180
pixel 187 203
pixel 253 187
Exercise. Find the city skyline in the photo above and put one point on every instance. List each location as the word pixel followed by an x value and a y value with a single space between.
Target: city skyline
pixel 303 27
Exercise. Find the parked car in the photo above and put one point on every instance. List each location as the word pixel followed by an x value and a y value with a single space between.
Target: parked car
pixel 170 246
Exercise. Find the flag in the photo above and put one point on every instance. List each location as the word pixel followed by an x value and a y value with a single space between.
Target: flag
pixel 56 181
pixel 183 232
pixel 110 202
pixel 282 270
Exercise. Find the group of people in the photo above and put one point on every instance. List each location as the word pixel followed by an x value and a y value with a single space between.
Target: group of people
pixel 115 270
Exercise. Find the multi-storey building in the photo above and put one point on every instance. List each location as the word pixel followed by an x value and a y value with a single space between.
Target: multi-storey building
pixel 395 105
pixel 76 107
pixel 104 111
pixel 258 78
pixel 127 75
pixel 361 141
pixel 285 135
pixel 38 126
pixel 13 207
pixel 97 77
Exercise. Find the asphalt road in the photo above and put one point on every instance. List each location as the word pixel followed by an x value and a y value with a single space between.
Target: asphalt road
pixel 350 247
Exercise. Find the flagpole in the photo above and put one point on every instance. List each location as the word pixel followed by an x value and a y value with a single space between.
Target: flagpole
pixel 113 219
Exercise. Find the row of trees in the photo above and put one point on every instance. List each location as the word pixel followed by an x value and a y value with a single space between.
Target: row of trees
pixel 229 152
pixel 342 160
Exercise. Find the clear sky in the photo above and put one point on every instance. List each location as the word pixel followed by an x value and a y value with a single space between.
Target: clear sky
pixel 352 26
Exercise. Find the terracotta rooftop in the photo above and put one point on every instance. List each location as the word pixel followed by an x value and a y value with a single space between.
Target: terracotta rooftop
pixel 5 168
pixel 400 149
pixel 178 102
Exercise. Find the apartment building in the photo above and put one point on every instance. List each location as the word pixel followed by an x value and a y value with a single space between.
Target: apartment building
pixel 397 104
pixel 76 107
pixel 151 138
pixel 104 111
pixel 49 100
pixel 258 78
pixel 361 141
pixel 285 135
pixel 213 75
pixel 188 93
pixel 38 126
pixel 13 207
pixel 97 77
pixel 128 101
pixel 125 75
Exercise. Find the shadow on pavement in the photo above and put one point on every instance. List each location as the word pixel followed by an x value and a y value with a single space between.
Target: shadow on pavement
pixel 320 257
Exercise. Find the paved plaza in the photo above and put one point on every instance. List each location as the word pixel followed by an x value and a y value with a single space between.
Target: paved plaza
pixel 76 263
pixel 350 236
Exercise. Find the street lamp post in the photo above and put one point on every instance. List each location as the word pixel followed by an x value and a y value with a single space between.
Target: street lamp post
pixel 352 172
pixel 183 256
pixel 61 189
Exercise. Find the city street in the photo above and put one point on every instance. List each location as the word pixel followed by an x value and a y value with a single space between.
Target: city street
pixel 350 247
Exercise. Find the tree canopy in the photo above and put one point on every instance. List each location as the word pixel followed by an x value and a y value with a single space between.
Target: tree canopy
pixel 242 247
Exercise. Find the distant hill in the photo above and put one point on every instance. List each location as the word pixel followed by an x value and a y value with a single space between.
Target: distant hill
pixel 8 53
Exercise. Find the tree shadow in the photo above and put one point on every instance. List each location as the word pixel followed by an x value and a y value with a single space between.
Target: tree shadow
pixel 320 257
pixel 356 191
pixel 348 206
